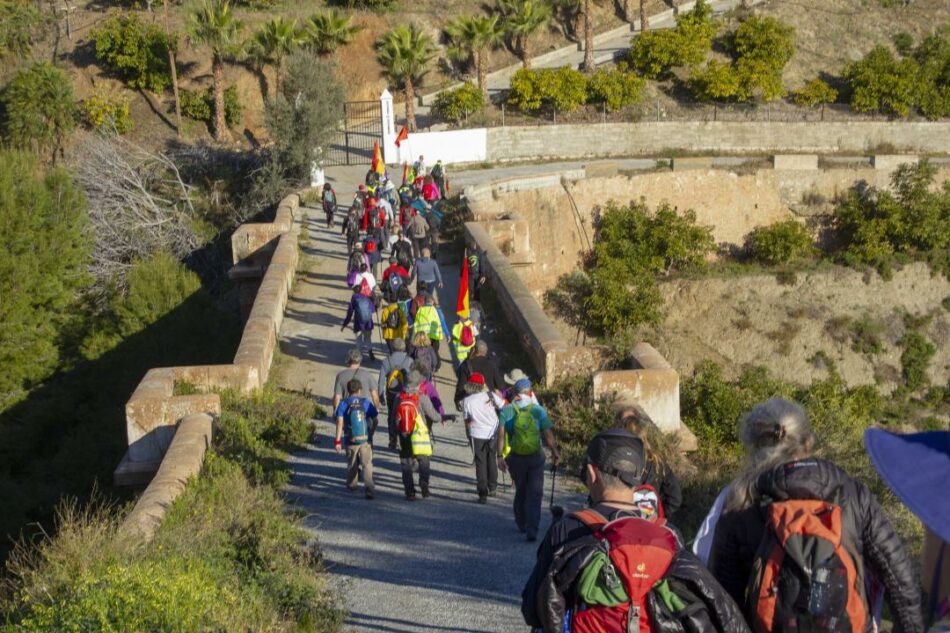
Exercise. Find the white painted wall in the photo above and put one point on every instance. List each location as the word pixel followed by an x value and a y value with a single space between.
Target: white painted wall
pixel 451 146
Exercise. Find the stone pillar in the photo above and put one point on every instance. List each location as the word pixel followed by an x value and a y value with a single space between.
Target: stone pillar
pixel 390 151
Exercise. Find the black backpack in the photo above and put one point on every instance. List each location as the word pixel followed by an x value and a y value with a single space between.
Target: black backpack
pixel 392 319
pixel 403 252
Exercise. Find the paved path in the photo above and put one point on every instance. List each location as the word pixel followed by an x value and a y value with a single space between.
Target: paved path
pixel 440 564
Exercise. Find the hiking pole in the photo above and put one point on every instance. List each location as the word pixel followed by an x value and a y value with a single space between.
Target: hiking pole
pixel 556 511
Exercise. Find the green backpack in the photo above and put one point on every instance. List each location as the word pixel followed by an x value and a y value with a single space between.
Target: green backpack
pixel 526 432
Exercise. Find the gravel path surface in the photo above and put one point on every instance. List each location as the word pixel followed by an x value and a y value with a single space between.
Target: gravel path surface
pixel 438 564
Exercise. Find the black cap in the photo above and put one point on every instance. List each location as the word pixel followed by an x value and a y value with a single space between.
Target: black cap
pixel 619 453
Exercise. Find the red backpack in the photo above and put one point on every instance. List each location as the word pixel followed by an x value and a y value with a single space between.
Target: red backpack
pixel 632 558
pixel 467 335
pixel 407 413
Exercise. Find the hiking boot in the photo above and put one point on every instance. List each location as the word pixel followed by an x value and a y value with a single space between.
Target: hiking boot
pixel 425 493
pixel 532 537
pixel 369 494
pixel 492 492
pixel 410 497
pixel 392 445
pixel 372 357
pixel 482 500
pixel 352 488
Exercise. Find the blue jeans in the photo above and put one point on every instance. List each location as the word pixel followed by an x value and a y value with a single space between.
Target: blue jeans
pixel 527 475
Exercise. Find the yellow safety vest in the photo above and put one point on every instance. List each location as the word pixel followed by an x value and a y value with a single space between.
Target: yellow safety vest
pixel 420 439
pixel 427 320
pixel 462 351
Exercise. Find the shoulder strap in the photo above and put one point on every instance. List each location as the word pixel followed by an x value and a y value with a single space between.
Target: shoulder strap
pixel 591 518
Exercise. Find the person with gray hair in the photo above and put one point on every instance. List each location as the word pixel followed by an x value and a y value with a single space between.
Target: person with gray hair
pixel 787 508
pixel 417 407
pixel 479 362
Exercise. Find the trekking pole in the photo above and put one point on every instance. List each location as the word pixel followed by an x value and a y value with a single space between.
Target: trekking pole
pixel 556 511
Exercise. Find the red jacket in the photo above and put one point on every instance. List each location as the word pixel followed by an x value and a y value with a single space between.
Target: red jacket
pixel 397 269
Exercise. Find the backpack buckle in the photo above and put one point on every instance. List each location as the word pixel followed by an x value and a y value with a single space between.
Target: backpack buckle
pixel 633 619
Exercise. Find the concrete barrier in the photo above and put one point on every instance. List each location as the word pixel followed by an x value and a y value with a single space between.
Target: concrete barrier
pixel 154 410
pixel 182 462
pixel 795 161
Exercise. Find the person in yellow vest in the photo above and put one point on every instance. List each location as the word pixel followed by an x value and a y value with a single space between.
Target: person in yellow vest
pixel 415 415
pixel 394 323
pixel 464 333
pixel 429 319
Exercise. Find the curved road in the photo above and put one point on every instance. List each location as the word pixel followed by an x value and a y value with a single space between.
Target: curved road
pixel 438 564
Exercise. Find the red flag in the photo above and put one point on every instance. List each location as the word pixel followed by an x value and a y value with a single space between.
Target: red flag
pixel 402 136
pixel 378 165
pixel 461 307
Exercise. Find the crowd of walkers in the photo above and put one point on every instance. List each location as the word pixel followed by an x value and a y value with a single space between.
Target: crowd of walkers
pixel 793 544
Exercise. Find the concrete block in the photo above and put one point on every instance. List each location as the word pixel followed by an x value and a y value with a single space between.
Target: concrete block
pixel 890 162
pixel 795 161
pixel 692 162
pixel 600 170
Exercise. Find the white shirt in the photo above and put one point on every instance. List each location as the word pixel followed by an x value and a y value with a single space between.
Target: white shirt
pixel 368 276
pixel 481 414
pixel 702 545
pixel 383 203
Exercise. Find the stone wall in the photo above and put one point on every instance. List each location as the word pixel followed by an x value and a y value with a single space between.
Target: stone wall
pixel 565 142
pixel 154 411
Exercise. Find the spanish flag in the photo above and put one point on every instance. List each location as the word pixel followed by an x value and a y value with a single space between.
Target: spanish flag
pixel 461 307
pixel 378 165
pixel 402 136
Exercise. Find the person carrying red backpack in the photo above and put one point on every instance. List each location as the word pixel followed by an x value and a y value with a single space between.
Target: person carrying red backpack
pixel 617 567
pixel 415 416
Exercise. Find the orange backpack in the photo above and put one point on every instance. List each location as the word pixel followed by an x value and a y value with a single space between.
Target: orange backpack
pixel 806 575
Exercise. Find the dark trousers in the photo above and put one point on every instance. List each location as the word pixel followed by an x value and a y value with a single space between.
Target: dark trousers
pixel 406 462
pixel 391 418
pixel 486 465
pixel 527 475
pixel 435 346
pixel 418 243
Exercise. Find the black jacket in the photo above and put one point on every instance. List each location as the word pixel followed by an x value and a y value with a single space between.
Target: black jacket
pixel 739 533
pixel 667 486
pixel 568 546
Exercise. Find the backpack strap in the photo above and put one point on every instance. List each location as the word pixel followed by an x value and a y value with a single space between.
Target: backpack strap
pixel 591 518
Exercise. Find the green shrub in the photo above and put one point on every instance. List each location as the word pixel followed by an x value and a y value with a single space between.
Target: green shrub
pixel 200 105
pixel 867 334
pixel 716 81
pixel 815 92
pixel 933 79
pixel 780 243
pixel 21 25
pixel 135 50
pixel 614 87
pixel 915 359
pixel 563 89
pixel 903 42
pixel 881 83
pixel 107 112
pixel 44 255
pixel 654 53
pixel 456 105
pixel 40 108
pixel 765 40
pixel 913 219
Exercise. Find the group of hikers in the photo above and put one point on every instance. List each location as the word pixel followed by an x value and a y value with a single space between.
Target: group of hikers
pixel 792 544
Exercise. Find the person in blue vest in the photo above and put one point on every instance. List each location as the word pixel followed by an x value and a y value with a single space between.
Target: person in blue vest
pixel 356 419
pixel 360 312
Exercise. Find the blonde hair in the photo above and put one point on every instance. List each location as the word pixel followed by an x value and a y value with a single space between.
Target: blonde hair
pixel 421 339
pixel 773 432
pixel 635 419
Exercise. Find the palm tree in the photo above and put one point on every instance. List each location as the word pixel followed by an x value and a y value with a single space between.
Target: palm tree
pixel 522 19
pixel 474 36
pixel 272 42
pixel 571 14
pixel 589 36
pixel 644 19
pixel 213 24
pixel 326 32
pixel 405 54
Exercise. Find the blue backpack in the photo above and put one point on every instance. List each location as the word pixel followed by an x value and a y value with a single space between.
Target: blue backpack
pixel 356 422
pixel 364 310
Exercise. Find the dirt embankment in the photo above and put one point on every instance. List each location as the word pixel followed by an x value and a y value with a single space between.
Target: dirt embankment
pixel 856 319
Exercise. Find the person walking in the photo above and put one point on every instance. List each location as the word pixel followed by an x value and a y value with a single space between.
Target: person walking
pixel 415 415
pixel 328 198
pixel 421 350
pixel 401 249
pixel 387 218
pixel 354 370
pixel 659 475
pixel 510 379
pixel 439 177
pixel 464 333
pixel 428 319
pixel 395 325
pixel 356 420
pixel 426 271
pixel 393 374
pixel 788 505
pixel 395 278
pixel 611 568
pixel 360 312
pixel 434 220
pixel 528 429
pixel 480 412
pixel 417 229
pixel 480 362
pixel 476 270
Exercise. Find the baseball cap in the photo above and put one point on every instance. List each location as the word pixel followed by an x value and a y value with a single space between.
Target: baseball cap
pixel 915 466
pixel 619 453
pixel 477 378
pixel 523 386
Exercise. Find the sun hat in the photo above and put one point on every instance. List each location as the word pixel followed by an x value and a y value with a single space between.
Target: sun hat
pixel 514 376
pixel 916 466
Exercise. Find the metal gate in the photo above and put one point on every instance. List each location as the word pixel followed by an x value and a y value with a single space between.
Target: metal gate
pixel 362 126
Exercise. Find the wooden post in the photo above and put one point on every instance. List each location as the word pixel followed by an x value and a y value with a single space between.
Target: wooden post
pixel 171 64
